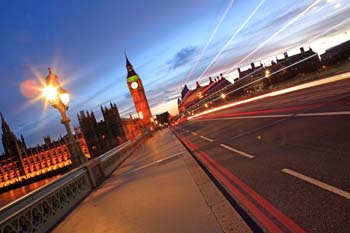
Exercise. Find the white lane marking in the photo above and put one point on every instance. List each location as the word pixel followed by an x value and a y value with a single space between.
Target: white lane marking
pixel 188 131
pixel 317 183
pixel 194 133
pixel 152 163
pixel 281 115
pixel 237 151
pixel 324 113
pixel 208 139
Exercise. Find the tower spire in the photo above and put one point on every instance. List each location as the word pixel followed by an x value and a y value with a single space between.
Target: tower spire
pixel 127 60
pixel 5 127
pixel 2 117
pixel 129 67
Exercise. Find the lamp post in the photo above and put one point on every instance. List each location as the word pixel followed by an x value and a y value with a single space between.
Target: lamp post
pixel 268 76
pixel 59 99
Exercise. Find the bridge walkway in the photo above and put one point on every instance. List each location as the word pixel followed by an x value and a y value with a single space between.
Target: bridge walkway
pixel 159 188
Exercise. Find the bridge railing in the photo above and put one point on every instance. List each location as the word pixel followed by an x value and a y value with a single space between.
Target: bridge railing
pixel 40 210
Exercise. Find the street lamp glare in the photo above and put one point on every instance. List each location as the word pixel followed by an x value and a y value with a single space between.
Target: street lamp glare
pixel 50 93
pixel 59 99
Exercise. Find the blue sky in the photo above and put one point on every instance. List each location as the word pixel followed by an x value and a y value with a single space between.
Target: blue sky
pixel 84 43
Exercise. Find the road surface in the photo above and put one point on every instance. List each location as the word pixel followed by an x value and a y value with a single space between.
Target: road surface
pixel 285 159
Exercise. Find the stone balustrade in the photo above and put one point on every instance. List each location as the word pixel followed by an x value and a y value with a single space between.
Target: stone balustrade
pixel 43 208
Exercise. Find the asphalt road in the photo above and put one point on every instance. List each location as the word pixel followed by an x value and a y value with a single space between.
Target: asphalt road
pixel 285 159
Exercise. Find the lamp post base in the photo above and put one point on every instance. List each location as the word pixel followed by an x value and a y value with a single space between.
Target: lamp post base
pixel 76 153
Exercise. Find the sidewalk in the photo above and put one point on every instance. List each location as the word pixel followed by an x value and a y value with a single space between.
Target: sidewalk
pixel 160 188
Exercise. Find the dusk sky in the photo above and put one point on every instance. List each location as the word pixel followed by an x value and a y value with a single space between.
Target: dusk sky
pixel 170 43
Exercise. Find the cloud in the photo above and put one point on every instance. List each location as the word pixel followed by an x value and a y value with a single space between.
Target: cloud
pixel 339 20
pixel 274 20
pixel 182 57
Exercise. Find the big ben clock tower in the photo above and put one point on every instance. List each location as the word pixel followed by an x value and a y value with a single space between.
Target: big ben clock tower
pixel 138 93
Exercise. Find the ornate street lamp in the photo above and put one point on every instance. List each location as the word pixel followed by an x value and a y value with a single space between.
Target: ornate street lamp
pixel 59 99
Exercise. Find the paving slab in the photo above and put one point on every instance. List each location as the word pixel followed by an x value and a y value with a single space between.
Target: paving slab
pixel 160 188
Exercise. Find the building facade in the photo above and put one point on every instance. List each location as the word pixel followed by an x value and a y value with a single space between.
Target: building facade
pixel 336 54
pixel 190 97
pixel 20 163
pixel 132 127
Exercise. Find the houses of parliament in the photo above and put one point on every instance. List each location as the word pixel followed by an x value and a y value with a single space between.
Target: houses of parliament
pixel 21 163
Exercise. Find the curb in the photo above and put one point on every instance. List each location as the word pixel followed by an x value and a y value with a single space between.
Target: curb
pixel 230 216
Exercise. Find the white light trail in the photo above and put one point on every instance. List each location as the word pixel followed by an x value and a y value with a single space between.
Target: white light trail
pixel 248 84
pixel 314 38
pixel 280 92
pixel 230 41
pixel 274 35
pixel 209 41
pixel 346 21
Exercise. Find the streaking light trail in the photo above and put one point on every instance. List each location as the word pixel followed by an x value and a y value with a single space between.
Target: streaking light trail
pixel 313 38
pixel 210 40
pixel 230 41
pixel 276 93
pixel 248 84
pixel 274 35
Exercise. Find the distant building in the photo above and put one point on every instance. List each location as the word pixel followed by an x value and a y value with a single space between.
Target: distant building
pixel 103 135
pixel 251 73
pixel 336 54
pixel 191 97
pixel 20 163
pixel 132 127
pixel 256 78
pixel 163 118
pixel 290 66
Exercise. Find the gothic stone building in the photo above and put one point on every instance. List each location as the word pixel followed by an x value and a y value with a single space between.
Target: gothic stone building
pixel 20 163
pixel 103 135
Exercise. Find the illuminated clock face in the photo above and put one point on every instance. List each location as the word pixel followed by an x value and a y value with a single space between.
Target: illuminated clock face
pixel 134 85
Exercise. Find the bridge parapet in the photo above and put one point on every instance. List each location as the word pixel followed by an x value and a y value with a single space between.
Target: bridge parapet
pixel 40 210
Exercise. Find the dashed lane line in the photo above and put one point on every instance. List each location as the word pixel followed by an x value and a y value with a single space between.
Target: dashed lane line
pixel 317 183
pixel 237 151
pixel 226 147
pixel 208 139
pixel 324 113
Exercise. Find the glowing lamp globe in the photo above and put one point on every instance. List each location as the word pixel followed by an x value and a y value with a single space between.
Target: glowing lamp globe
pixel 65 98
pixel 50 93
